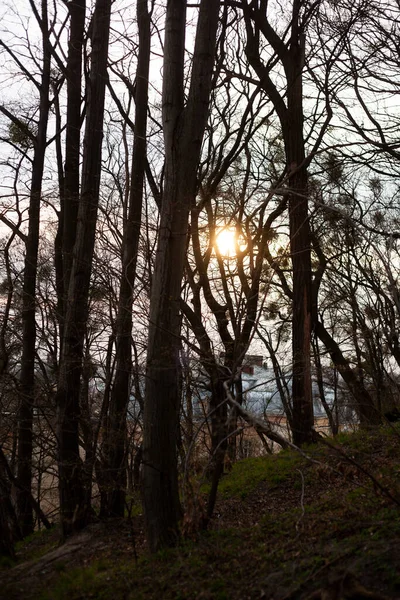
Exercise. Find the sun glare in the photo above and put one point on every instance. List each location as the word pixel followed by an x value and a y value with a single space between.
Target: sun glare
pixel 226 241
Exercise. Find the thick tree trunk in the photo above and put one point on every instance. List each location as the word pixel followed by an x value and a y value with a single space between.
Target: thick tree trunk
pixel 183 134
pixel 69 208
pixel 9 528
pixel 300 240
pixel 6 519
pixel 116 436
pixel 291 119
pixel 71 486
pixel 302 403
pixel 27 380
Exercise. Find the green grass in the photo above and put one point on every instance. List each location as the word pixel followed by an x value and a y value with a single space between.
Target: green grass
pixel 76 583
pixel 37 544
pixel 345 525
pixel 247 474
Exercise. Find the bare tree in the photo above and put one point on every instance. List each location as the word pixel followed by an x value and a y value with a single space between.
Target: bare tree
pixel 72 497
pixel 115 445
pixel 291 55
pixel 69 191
pixel 183 127
pixel 27 378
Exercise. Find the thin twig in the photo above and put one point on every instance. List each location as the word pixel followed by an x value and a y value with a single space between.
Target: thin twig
pixel 351 460
pixel 301 500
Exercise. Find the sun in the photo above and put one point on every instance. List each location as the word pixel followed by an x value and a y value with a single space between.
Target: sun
pixel 226 241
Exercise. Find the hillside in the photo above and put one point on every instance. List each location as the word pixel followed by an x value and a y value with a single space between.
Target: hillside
pixel 285 527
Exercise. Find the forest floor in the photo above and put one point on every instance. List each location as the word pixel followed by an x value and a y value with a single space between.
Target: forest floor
pixel 286 527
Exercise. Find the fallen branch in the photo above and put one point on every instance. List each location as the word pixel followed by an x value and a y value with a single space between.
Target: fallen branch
pixel 266 429
pixel 259 426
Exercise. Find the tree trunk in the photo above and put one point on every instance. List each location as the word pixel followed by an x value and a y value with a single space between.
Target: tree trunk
pixel 9 527
pixel 291 119
pixel 27 381
pixel 6 536
pixel 183 134
pixel 300 240
pixel 116 436
pixel 331 411
pixel 69 209
pixel 71 486
pixel 219 440
pixel 364 403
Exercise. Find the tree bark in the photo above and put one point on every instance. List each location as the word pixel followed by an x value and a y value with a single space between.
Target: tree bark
pixel 27 380
pixel 69 208
pixel 291 119
pixel 300 239
pixel 183 133
pixel 71 486
pixel 116 436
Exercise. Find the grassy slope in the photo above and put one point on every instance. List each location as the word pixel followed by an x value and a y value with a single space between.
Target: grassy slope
pixel 284 528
